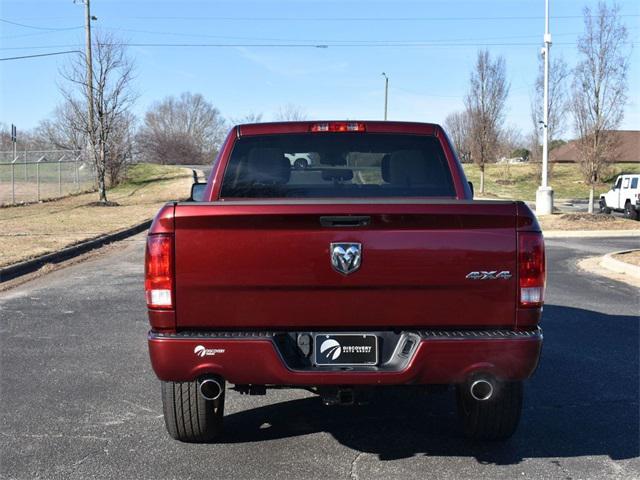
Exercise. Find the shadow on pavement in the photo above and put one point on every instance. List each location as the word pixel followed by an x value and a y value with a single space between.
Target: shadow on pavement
pixel 583 400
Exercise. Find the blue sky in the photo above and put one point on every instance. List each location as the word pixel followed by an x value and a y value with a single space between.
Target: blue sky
pixel 426 82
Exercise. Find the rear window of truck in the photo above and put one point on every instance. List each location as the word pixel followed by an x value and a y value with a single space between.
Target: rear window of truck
pixel 369 165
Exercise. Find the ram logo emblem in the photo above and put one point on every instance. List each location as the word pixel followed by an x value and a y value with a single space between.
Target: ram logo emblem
pixel 345 257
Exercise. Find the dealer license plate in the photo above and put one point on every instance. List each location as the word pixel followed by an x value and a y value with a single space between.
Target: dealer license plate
pixel 346 349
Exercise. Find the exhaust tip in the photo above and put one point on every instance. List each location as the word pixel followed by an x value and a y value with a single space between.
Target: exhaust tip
pixel 210 389
pixel 481 390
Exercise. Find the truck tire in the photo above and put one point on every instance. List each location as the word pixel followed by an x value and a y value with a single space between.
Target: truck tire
pixel 188 416
pixel 630 212
pixel 300 164
pixel 493 419
pixel 603 207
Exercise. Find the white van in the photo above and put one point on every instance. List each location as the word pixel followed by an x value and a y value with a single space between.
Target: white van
pixel 623 196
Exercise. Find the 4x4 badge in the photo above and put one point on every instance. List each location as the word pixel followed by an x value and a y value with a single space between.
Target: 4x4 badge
pixel 491 275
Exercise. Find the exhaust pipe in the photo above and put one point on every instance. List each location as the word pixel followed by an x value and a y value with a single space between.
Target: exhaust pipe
pixel 210 388
pixel 481 390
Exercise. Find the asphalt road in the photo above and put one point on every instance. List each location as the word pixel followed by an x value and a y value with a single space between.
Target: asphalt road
pixel 205 169
pixel 78 398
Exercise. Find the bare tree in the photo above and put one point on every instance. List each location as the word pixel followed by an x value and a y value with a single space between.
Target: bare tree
pixel 5 137
pixel 112 98
pixel 558 98
pixel 485 106
pixel 63 129
pixel 249 118
pixel 27 140
pixel 558 106
pixel 509 139
pixel 291 113
pixel 457 125
pixel 183 130
pixel 599 90
pixel 120 148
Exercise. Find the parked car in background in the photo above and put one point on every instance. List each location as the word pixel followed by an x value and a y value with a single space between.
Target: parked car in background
pixel 624 196
pixel 301 161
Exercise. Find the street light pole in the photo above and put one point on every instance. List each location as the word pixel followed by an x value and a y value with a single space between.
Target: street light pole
pixel 544 195
pixel 386 93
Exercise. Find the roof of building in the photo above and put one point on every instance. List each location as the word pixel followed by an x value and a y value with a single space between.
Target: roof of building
pixel 628 149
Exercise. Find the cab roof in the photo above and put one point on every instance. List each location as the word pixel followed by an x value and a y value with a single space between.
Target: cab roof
pixel 275 128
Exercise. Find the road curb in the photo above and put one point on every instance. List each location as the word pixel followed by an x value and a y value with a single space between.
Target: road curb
pixel 29 266
pixel 619 266
pixel 590 233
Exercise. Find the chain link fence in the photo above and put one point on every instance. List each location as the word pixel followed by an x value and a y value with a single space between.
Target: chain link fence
pixel 32 176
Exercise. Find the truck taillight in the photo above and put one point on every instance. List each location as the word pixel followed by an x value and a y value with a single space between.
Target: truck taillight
pixel 338 127
pixel 531 275
pixel 158 282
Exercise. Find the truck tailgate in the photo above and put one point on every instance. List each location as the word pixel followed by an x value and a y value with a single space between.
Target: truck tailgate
pixel 252 265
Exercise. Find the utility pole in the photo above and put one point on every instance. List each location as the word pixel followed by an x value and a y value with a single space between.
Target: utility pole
pixel 87 27
pixel 386 93
pixel 544 195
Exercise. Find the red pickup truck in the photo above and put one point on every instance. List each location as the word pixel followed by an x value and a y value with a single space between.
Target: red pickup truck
pixel 342 257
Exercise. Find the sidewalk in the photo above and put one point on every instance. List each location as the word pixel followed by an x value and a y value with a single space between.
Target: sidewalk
pixel 615 262
pixel 591 233
pixel 612 268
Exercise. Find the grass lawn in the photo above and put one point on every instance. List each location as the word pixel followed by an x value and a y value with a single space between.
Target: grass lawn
pixel 632 257
pixel 520 182
pixel 35 229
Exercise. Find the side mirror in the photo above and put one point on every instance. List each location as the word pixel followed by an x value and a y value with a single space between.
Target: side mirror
pixel 471 187
pixel 197 192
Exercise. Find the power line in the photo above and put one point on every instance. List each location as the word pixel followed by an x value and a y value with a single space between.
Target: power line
pixel 349 43
pixel 373 41
pixel 288 45
pixel 272 39
pixel 48 32
pixel 10 22
pixel 310 45
pixel 298 40
pixel 221 45
pixel 329 19
pixel 39 55
pixel 355 19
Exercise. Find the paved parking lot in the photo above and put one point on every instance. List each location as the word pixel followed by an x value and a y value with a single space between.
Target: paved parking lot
pixel 78 398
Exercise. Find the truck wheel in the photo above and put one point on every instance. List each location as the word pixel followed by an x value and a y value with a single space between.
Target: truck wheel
pixel 603 207
pixel 188 416
pixel 493 419
pixel 630 212
pixel 300 164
